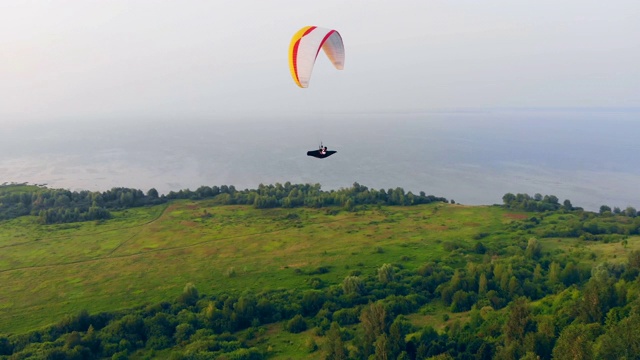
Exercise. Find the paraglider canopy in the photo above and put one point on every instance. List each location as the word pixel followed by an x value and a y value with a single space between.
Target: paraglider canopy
pixel 304 48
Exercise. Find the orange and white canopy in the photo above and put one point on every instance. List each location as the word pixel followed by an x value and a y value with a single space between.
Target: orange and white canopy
pixel 304 48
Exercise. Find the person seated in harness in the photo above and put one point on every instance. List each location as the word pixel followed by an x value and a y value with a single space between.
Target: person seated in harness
pixel 321 152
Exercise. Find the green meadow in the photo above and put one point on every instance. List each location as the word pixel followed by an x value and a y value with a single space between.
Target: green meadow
pixel 145 255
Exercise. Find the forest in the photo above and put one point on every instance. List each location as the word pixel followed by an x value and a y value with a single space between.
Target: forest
pixel 521 297
pixel 64 206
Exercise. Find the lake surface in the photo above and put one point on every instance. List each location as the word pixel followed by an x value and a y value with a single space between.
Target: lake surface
pixel 591 157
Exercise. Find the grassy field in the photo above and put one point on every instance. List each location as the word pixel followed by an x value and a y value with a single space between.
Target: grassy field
pixel 146 255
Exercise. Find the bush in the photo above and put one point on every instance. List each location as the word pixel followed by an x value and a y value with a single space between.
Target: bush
pixel 296 325
pixel 479 248
pixel 315 283
pixel 189 294
pixel 450 246
pixel 311 345
pixel 346 317
pixel 231 272
pixel 386 274
pixel 353 285
pixel 319 270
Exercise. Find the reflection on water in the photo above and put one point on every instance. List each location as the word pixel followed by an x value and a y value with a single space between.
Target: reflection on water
pixel 474 157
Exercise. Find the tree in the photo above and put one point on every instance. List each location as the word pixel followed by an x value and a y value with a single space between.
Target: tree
pixel 335 347
pixel 567 205
pixel 312 301
pixel 297 324
pixel 621 341
pixel 5 346
pixel 508 199
pixel 183 332
pixel 604 209
pixel 352 285
pixel 349 205
pixel 374 322
pixel 634 259
pixel 479 248
pixel 382 352
pixel 598 297
pixel 397 333
pixel 554 273
pixel 514 287
pixel 462 301
pixel 544 337
pixel 518 323
pixel 72 339
pixel 570 274
pixel 575 342
pixel 386 274
pixel 311 345
pixel 482 284
pixel 537 274
pixel 160 329
pixel 90 339
pixel 504 281
pixel 152 193
pixel 485 352
pixel 630 211
pixel 189 294
pixel 422 351
pixel 534 249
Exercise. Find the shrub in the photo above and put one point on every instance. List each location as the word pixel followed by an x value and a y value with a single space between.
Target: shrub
pixel 231 272
pixel 346 317
pixel 296 325
pixel 189 294
pixel 311 345
pixel 352 285
pixel 386 274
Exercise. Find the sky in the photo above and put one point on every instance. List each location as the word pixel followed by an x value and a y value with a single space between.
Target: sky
pixel 93 60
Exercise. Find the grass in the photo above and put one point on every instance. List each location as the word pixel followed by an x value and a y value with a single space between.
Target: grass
pixel 284 345
pixel 433 314
pixel 9 188
pixel 593 251
pixel 146 255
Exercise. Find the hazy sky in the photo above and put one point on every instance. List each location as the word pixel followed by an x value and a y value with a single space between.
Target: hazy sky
pixel 206 59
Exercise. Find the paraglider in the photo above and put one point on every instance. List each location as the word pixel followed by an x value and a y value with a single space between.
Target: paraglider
pixel 303 52
pixel 321 153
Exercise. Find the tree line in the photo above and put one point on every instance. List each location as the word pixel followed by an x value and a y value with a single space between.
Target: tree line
pixel 551 219
pixel 63 206
pixel 540 203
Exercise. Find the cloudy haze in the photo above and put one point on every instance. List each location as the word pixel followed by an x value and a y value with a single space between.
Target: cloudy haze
pixel 95 60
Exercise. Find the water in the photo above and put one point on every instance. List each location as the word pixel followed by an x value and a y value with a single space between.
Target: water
pixel 474 157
